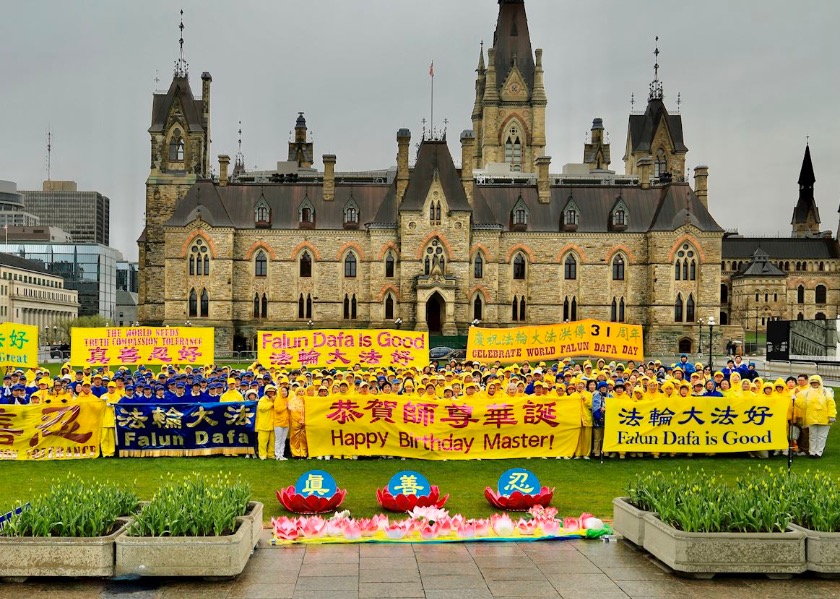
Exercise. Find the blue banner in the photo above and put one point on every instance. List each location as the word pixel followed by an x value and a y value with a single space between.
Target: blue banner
pixel 186 429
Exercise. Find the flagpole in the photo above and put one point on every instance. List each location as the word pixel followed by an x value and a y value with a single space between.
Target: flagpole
pixel 432 73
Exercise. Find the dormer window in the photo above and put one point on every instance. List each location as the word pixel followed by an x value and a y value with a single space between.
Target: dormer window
pixel 618 215
pixel 570 216
pixel 306 214
pixel 262 214
pixel 660 165
pixel 519 215
pixel 351 214
pixel 513 148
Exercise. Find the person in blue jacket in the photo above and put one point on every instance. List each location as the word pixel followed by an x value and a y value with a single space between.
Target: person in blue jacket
pixel 687 367
pixel 598 413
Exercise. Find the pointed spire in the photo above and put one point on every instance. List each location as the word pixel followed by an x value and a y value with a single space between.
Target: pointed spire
pixel 181 66
pixel 239 161
pixel 480 68
pixel 656 84
pixel 806 174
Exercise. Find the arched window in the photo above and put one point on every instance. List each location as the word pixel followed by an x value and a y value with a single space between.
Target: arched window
pixel 478 267
pixel 261 264
pixel 305 265
pixel 478 312
pixel 434 256
pixel 566 312
pixel 350 266
pixel 389 266
pixel 821 266
pixel 262 213
pixel 351 215
pixel 437 211
pixel 621 310
pixel 775 297
pixel 574 314
pixel 256 305
pixel 570 268
pixel 819 316
pixel 301 307
pixel 800 316
pixel 193 304
pixel 756 296
pixel 724 293
pixel 787 266
pixel 820 294
pixel 800 294
pixel 724 318
pixel 570 217
pixel 513 148
pixel 427 266
pixel 353 307
pixel 309 305
pixel 264 306
pixel 434 213
pixel 618 268
pixel 519 267
pixel 350 307
pixel 205 303
pixel 677 270
pixel 199 258
pixel 619 218
pixel 689 309
pixel 389 307
pixel 515 308
pixel 522 308
pixel 176 147
pixel 660 166
pixel 678 308
pixel 685 270
pixel 766 297
pixel 614 311
pixel 692 271
pixel 519 217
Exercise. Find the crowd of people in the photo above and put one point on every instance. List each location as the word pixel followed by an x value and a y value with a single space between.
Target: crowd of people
pixel 282 394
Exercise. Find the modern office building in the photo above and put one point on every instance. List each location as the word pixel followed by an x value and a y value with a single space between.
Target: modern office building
pixel 88 268
pixel 127 276
pixel 85 215
pixel 12 208
pixel 29 294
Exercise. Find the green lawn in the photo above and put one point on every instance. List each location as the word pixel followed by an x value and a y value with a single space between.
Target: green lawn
pixel 580 485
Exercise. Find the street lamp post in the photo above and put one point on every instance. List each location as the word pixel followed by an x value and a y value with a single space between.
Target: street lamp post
pixel 711 323
pixel 475 322
pixel 310 324
pixel 398 322
pixel 700 324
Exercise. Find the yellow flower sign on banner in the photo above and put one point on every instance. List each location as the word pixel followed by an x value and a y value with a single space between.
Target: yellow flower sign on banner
pixel 412 426
pixel 342 348
pixel 696 424
pixel 51 432
pixel 18 345
pixel 127 346
pixel 613 340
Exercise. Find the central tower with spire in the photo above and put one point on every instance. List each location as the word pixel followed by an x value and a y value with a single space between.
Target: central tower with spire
pixel 509 112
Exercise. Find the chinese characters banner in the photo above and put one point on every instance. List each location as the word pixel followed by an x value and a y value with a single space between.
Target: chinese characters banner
pixel 45 432
pixel 343 347
pixel 18 345
pixel 178 429
pixel 413 427
pixel 141 345
pixel 696 424
pixel 588 337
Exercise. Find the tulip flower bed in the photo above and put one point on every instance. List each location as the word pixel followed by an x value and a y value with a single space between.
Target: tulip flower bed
pixel 435 525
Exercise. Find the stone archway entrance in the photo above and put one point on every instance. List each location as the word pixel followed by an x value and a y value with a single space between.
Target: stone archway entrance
pixel 435 310
pixel 684 346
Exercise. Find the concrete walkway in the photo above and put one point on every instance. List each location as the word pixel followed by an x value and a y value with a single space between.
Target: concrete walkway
pixel 570 569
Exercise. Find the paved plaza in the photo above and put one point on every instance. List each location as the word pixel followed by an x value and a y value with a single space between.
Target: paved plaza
pixel 569 569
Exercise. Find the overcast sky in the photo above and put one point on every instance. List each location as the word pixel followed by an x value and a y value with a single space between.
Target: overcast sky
pixel 756 77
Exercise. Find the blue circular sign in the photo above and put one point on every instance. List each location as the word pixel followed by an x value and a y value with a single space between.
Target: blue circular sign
pixel 316 482
pixel 518 479
pixel 409 482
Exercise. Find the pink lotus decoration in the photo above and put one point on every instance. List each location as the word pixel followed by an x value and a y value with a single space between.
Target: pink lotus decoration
pixel 406 503
pixel 297 503
pixel 519 502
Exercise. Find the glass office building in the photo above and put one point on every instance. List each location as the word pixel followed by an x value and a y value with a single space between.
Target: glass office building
pixel 85 215
pixel 89 268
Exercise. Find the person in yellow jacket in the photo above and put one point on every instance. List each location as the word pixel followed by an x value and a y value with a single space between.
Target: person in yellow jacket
pixel 281 422
pixel 265 423
pixel 232 393
pixel 108 442
pixel 820 410
pixel 584 395
pixel 297 428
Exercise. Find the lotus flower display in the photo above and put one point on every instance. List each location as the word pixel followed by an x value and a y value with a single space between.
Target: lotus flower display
pixel 406 503
pixel 297 503
pixel 519 502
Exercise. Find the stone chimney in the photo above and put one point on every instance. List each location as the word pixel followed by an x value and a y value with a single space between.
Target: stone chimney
pixel 224 163
pixel 543 183
pixel 701 185
pixel 329 177
pixel 403 140
pixel 644 166
pixel 467 156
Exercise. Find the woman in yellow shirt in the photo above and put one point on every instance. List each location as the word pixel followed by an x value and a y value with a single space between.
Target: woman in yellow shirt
pixel 297 428
pixel 265 423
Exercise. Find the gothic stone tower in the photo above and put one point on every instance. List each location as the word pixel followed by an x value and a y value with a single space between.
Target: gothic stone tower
pixel 180 139
pixel 509 112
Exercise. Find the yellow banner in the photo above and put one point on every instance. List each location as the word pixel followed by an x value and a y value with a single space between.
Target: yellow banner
pixel 51 432
pixel 18 345
pixel 120 346
pixel 696 424
pixel 588 337
pixel 414 427
pixel 341 348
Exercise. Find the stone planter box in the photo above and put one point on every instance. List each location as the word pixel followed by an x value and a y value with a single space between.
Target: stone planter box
pixel 822 549
pixel 22 557
pixel 222 556
pixel 774 554
pixel 253 518
pixel 629 521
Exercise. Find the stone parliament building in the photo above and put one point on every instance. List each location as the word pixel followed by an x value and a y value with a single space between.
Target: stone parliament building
pixel 500 239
